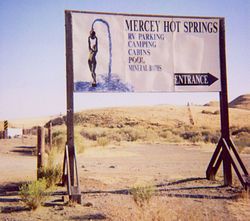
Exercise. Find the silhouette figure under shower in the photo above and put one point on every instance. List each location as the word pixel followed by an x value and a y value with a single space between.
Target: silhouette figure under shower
pixel 93 48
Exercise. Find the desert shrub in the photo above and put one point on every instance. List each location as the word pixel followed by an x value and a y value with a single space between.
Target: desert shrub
pixel 191 136
pixel 115 136
pixel 79 119
pixel 102 141
pixel 34 194
pixel 51 174
pixel 242 141
pixel 93 135
pixel 59 140
pixel 165 134
pixel 89 135
pixel 210 137
pixel 79 143
pixel 170 136
pixel 150 134
pixel 216 112
pixel 236 131
pixel 142 194
pixel 132 134
pixel 241 136
pixel 210 112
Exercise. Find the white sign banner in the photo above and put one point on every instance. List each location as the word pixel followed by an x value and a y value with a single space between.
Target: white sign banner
pixel 140 53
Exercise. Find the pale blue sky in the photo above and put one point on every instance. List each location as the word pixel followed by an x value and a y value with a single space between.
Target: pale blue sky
pixel 32 53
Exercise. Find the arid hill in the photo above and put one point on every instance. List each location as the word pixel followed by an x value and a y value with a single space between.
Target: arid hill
pixel 241 102
pixel 154 124
pixel 212 104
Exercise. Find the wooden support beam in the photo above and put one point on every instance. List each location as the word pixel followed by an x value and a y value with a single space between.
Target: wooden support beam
pixel 74 191
pixel 70 96
pixel 218 163
pixel 229 156
pixel 50 135
pixel 231 143
pixel 40 150
pixel 225 134
pixel 210 171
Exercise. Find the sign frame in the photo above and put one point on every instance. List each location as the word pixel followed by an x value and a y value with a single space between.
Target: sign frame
pixel 223 150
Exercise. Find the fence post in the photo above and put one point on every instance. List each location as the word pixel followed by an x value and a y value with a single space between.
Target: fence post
pixel 50 135
pixel 40 150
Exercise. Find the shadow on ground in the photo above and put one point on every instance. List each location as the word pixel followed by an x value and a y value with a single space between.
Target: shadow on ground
pixel 186 188
pixel 96 216
pixel 9 194
pixel 25 150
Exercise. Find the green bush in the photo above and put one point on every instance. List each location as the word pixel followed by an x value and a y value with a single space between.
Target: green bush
pixel 34 194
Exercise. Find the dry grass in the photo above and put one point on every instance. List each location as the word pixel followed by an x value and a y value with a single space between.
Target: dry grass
pixel 245 196
pixel 158 124
pixel 163 123
pixel 59 138
pixel 160 208
pixel 142 194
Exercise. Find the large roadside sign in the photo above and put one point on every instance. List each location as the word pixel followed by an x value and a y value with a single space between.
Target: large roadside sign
pixel 107 52
pixel 145 53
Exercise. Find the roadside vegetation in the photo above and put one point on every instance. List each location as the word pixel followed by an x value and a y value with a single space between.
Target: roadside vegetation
pixel 158 124
pixel 35 193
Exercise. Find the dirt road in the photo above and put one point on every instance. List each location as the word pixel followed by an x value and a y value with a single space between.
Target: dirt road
pixel 106 175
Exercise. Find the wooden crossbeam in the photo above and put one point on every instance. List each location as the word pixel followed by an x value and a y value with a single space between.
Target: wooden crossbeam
pixel 223 152
pixel 238 157
pixel 227 150
pixel 210 173
pixel 74 192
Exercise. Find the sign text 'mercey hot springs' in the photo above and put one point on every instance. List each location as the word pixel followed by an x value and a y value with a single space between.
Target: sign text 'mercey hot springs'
pixel 137 25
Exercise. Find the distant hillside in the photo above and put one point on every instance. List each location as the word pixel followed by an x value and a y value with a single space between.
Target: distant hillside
pixel 212 104
pixel 161 124
pixel 241 102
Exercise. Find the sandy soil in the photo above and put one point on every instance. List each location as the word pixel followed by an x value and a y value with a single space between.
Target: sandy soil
pixel 106 175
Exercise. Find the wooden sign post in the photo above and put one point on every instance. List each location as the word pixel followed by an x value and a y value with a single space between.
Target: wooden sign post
pixel 74 192
pixel 225 145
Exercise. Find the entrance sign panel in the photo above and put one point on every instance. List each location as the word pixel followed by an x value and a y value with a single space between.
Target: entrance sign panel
pixel 140 53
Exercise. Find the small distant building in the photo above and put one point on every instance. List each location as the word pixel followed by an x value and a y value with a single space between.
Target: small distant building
pixel 15 132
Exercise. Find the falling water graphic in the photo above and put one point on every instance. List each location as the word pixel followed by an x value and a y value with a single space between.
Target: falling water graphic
pixel 110 43
pixel 109 82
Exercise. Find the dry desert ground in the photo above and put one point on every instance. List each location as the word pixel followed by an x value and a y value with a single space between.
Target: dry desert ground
pixel 157 147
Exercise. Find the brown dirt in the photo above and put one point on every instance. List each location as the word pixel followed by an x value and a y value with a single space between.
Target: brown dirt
pixel 106 175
